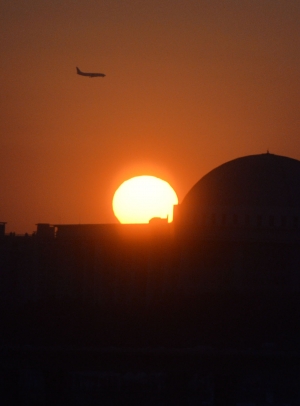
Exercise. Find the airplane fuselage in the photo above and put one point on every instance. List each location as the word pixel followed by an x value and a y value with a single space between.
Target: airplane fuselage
pixel 91 75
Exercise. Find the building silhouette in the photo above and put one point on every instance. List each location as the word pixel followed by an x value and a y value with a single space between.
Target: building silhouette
pixel 220 285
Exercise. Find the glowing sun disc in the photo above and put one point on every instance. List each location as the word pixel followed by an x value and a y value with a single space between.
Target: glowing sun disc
pixel 141 198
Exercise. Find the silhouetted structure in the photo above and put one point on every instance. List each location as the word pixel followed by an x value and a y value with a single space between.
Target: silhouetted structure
pixel 217 291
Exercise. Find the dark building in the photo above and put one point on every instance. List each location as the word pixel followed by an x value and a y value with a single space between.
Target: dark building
pixel 216 291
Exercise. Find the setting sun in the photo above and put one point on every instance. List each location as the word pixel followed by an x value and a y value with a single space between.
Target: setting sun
pixel 141 198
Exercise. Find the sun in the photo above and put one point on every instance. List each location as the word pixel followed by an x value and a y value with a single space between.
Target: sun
pixel 141 198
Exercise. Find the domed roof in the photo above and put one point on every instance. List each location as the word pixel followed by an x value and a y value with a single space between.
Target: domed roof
pixel 264 180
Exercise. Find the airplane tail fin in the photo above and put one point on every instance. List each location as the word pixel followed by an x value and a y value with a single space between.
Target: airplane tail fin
pixel 78 70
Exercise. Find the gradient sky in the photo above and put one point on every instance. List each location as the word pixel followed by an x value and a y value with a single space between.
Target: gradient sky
pixel 190 85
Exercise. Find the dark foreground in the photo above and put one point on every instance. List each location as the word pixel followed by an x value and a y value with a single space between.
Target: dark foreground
pixel 203 376
pixel 224 349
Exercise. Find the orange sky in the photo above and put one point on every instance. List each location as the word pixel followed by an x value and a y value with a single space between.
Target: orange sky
pixel 190 85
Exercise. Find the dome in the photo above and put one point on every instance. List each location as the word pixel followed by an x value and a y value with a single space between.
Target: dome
pixel 265 185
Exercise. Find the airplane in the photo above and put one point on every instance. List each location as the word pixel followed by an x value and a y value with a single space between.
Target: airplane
pixel 91 75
